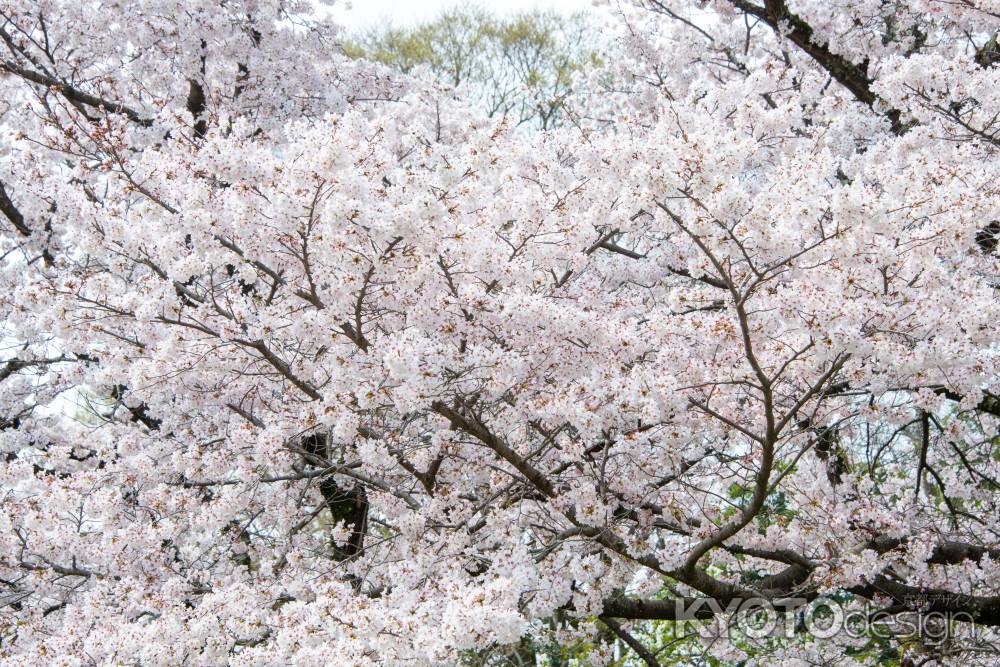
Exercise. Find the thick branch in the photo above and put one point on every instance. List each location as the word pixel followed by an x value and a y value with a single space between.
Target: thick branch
pixel 11 212
pixel 632 642
pixel 474 427
pixel 74 94
pixel 776 15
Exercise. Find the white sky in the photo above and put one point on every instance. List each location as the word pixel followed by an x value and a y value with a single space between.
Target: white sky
pixel 363 13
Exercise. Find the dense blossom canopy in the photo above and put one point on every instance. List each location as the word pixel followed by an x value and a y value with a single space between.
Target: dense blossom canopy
pixel 309 363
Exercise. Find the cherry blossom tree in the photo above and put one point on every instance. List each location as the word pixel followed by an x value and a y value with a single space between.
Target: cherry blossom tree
pixel 309 363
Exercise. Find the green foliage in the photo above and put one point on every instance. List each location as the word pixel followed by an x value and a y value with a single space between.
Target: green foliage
pixel 539 648
pixel 520 66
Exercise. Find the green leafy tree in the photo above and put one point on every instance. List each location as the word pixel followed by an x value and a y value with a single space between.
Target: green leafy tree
pixel 520 66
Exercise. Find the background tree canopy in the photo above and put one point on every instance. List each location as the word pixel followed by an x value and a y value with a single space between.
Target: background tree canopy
pixel 520 66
